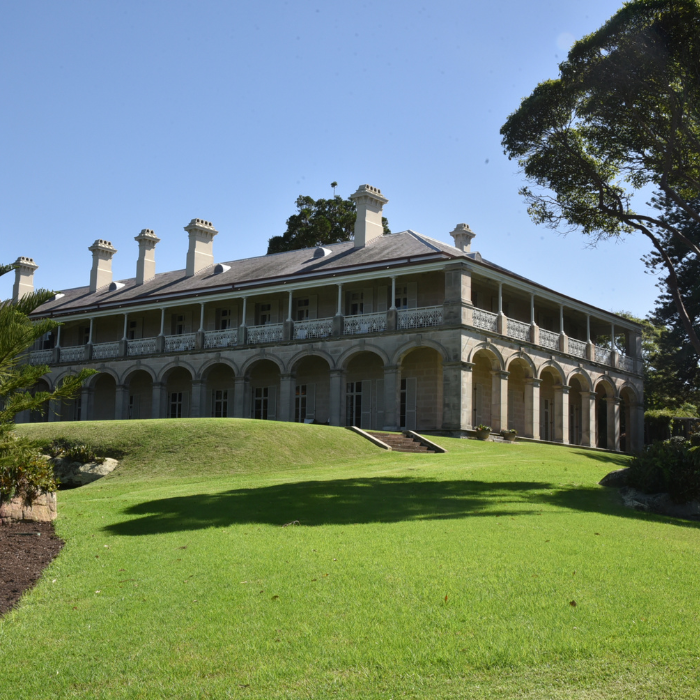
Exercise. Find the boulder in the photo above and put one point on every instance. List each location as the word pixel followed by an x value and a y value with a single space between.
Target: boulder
pixel 79 474
pixel 616 479
pixel 660 503
pixel 41 510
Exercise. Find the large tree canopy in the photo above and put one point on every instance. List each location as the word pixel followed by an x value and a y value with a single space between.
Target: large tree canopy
pixel 623 115
pixel 318 222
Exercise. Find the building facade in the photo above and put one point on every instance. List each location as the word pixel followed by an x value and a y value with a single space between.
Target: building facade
pixel 383 332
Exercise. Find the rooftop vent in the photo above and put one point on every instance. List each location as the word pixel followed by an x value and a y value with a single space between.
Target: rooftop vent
pixel 114 286
pixel 321 252
pixel 218 269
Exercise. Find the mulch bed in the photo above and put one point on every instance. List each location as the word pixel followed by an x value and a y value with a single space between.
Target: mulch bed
pixel 23 556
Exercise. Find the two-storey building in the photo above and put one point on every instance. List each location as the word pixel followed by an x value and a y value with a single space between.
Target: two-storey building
pixel 385 332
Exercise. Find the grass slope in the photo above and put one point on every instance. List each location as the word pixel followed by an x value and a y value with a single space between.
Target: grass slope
pixel 438 576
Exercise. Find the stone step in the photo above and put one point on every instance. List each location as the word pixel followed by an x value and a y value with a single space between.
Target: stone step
pixel 401 443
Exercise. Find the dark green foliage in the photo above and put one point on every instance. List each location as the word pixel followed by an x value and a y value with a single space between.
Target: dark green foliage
pixel 671 466
pixel 74 451
pixel 23 470
pixel 624 114
pixel 318 222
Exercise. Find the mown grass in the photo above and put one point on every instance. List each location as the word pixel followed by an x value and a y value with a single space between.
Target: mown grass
pixel 439 576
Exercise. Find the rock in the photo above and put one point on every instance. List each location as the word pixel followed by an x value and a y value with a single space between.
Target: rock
pixel 616 479
pixel 660 503
pixel 41 510
pixel 78 474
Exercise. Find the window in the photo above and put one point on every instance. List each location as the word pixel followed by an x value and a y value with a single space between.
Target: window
pixel 219 403
pixel 402 405
pixel 131 331
pixel 83 335
pixel 401 300
pixel 300 403
pixel 353 403
pixel 356 306
pixel 178 324
pixel 224 319
pixel 261 400
pixel 78 408
pixel 48 341
pixel 175 405
pixel 302 309
pixel 265 314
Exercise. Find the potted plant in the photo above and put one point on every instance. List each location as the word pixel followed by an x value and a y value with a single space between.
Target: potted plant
pixel 483 431
pixel 509 434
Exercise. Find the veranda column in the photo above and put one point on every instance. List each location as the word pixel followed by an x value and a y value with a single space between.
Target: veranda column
pixel 85 403
pixel 199 336
pixel 197 407
pixel 614 355
pixel 588 418
pixel 159 403
pixel 123 343
pixel 532 408
pixel 288 327
pixel 613 423
pixel 502 321
pixel 160 340
pixel 121 402
pixel 590 348
pixel 499 400
pixel 284 410
pixel 243 329
pixel 338 318
pixel 563 340
pixel 561 414
pixel 57 347
pixel 392 313
pixel 239 392
pixel 88 349
pixel 534 330
pixel 391 397
pixel 457 396
pixel 337 397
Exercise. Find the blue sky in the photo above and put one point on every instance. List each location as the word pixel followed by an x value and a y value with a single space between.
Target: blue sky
pixel 123 116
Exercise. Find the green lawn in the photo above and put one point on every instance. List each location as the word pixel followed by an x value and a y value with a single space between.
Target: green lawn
pixel 408 576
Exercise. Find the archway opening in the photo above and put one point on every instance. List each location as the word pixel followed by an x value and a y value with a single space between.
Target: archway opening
pixel 485 364
pixel 605 415
pixel 628 427
pixel 577 386
pixel 104 397
pixel 420 390
pixel 140 395
pixel 178 390
pixel 312 390
pixel 519 373
pixel 364 391
pixel 264 388
pixel 550 406
pixel 219 387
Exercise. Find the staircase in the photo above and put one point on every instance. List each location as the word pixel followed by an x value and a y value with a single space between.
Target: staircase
pixel 400 442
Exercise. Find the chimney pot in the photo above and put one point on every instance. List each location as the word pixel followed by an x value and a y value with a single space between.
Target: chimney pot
pixel 146 263
pixel 368 224
pixel 200 254
pixel 24 277
pixel 463 236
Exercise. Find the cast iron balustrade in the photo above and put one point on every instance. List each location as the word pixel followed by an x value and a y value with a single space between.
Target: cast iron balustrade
pixel 220 339
pixel 103 351
pixel 577 348
pixel 422 317
pixel 74 353
pixel 142 346
pixel 269 333
pixel 364 323
pixel 40 357
pixel 626 363
pixel 549 340
pixel 518 329
pixel 603 355
pixel 316 328
pixel 180 343
pixel 485 319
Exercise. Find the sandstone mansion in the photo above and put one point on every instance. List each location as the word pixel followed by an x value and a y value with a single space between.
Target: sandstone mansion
pixel 384 332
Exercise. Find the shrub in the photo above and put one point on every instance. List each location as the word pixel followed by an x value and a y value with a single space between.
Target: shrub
pixel 512 431
pixel 671 466
pixel 481 426
pixel 73 451
pixel 23 470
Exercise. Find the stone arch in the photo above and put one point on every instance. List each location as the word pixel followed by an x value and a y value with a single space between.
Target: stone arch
pixel 633 391
pixel 68 409
pixel 90 384
pixel 311 387
pixel 524 358
pixel 217 383
pixel 489 349
pixel 583 377
pixel 606 379
pixel 398 356
pixel 126 375
pixel 556 369
pixel 606 413
pixel 420 387
pixel 172 366
pixel 251 361
pixel 300 356
pixel 345 359
pixel 104 395
pixel 552 406
pixel 263 398
pixel 521 373
pixel 209 364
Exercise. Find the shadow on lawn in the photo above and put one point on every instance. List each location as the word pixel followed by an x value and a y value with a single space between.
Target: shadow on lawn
pixel 358 501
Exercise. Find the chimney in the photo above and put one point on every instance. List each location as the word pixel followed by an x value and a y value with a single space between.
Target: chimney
pixel 146 264
pixel 368 225
pixel 24 278
pixel 463 236
pixel 200 253
pixel 101 273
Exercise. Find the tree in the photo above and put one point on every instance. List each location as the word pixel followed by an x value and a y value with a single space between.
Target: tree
pixel 318 222
pixel 623 115
pixel 21 469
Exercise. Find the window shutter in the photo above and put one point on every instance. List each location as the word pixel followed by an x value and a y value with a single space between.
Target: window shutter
pixel 366 417
pixel 310 401
pixel 272 403
pixel 382 295
pixel 412 295
pixel 411 391
pixel 367 298
pixel 380 404
pixel 313 306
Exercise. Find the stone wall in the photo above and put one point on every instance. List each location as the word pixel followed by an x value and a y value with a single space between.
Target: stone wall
pixel 42 509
